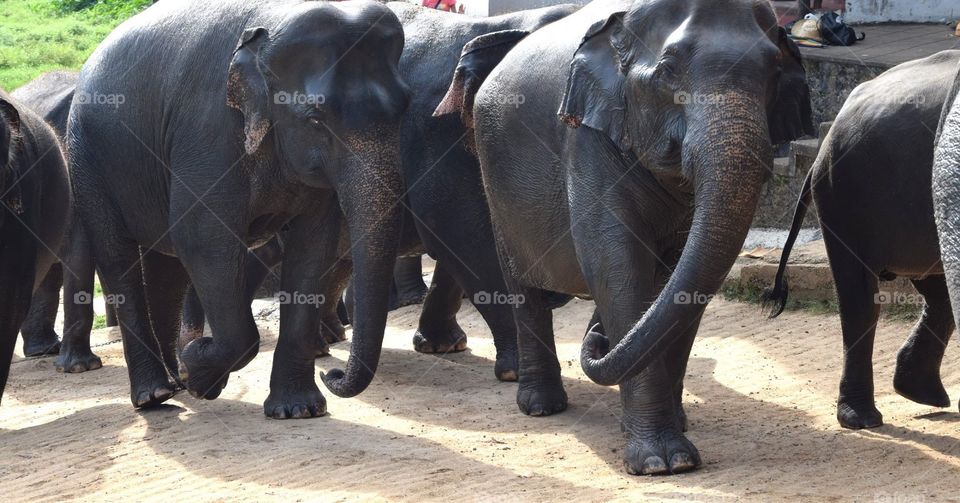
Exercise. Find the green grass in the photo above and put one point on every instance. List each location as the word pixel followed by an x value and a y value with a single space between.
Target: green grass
pixel 99 321
pixel 751 295
pixel 38 36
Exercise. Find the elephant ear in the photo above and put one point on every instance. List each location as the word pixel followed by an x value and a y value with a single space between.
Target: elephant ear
pixel 9 132
pixel 247 88
pixel 478 58
pixel 10 141
pixel 594 93
pixel 790 116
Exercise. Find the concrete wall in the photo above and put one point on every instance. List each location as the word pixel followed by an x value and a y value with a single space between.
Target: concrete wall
pixel 496 7
pixel 915 11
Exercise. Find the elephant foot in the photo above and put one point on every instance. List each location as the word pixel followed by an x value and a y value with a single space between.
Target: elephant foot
pixel 858 415
pixel 506 368
pixel 146 395
pixel 75 361
pixel 40 344
pixel 298 403
pixel 917 378
pixel 202 379
pixel 660 452
pixel 544 398
pixel 449 340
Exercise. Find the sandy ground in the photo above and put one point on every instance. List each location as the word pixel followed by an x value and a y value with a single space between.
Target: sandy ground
pixel 760 396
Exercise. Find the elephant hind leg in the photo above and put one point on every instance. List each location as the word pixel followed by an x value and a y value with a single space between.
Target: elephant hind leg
pixel 438 331
pixel 857 289
pixel 917 376
pixel 39 336
pixel 78 280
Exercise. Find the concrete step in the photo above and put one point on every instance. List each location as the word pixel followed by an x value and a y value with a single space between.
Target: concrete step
pixel 808 275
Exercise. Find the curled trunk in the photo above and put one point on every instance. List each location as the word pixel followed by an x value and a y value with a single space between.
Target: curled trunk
pixel 727 153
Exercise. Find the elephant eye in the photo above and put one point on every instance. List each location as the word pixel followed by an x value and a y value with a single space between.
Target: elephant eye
pixel 315 121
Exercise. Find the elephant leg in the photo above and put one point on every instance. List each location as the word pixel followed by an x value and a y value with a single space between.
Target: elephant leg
pixel 857 287
pixel 39 336
pixel 651 410
pixel 309 269
pixel 151 382
pixel 408 287
pixel 474 267
pixel 165 284
pixel 438 331
pixel 18 259
pixel 540 388
pixel 78 281
pixel 111 310
pixel 917 376
pixel 260 264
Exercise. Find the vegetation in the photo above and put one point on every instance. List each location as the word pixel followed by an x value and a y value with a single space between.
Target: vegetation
pixel 38 36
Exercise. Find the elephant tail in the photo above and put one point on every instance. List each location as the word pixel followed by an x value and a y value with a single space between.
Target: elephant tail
pixel 775 299
pixel 477 60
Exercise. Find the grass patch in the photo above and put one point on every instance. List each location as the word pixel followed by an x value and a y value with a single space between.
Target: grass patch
pixel 99 321
pixel 38 36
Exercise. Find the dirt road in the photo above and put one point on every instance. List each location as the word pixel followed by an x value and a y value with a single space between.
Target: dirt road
pixel 760 396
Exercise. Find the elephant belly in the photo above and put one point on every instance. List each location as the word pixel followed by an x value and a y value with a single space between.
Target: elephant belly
pixel 539 247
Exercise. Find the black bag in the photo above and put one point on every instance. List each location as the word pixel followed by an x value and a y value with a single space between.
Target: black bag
pixel 835 32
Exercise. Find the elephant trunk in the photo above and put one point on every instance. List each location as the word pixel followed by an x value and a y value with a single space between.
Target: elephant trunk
pixel 369 190
pixel 727 155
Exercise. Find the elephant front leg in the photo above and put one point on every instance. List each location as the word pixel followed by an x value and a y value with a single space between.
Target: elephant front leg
pixel 310 273
pixel 215 259
pixel 78 282
pixel 439 331
pixel 655 440
pixel 39 336
pixel 918 362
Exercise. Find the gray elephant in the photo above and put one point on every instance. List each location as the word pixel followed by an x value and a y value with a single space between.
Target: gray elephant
pixel 50 96
pixel 280 114
pixel 34 211
pixel 946 190
pixel 871 182
pixel 630 174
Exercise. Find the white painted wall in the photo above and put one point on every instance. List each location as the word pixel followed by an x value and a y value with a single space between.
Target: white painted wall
pixel 497 7
pixel 915 11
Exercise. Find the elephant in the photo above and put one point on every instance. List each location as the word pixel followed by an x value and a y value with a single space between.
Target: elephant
pixel 871 180
pixel 445 213
pixel 50 96
pixel 268 116
pixel 629 175
pixel 946 191
pixel 35 200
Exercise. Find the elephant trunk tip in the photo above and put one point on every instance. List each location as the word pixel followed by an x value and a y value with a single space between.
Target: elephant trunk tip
pixel 595 346
pixel 337 382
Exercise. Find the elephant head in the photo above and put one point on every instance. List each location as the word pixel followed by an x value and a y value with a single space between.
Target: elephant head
pixel 321 93
pixel 696 92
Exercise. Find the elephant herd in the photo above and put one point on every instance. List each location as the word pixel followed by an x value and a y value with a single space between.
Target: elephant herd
pixel 614 152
